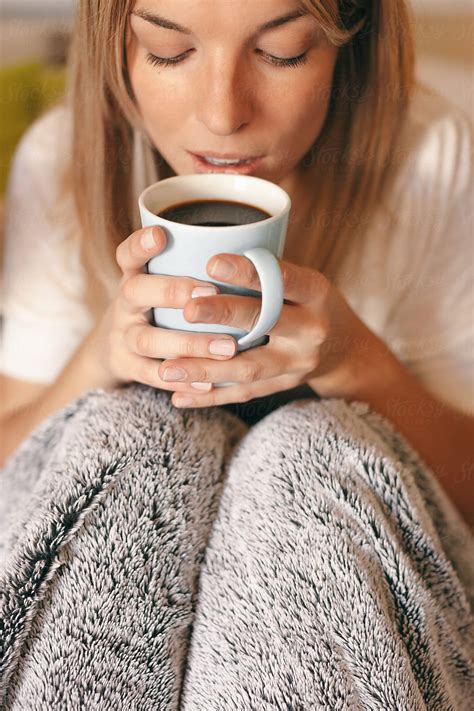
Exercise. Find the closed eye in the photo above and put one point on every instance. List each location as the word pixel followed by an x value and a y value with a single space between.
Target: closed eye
pixel 154 60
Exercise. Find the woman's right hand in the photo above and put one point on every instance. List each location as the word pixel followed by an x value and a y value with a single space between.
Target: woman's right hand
pixel 131 349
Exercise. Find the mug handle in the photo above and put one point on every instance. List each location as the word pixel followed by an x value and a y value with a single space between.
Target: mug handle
pixel 272 288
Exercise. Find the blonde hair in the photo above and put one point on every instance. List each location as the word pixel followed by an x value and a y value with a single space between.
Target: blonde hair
pixel 343 175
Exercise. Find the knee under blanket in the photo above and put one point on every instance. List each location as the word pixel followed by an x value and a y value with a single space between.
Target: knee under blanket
pixel 156 558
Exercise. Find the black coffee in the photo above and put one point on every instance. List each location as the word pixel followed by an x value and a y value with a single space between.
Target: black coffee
pixel 214 213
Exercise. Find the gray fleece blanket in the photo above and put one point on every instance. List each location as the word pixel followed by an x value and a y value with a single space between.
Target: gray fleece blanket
pixel 155 558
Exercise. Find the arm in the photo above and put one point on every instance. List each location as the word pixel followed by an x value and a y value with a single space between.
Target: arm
pixel 320 340
pixel 123 347
pixel 15 392
pixel 441 435
pixel 83 372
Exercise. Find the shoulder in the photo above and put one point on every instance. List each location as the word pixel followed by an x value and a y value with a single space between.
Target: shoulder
pixel 409 279
pixel 43 310
pixel 434 150
pixel 36 205
pixel 49 130
pixel 45 146
pixel 37 176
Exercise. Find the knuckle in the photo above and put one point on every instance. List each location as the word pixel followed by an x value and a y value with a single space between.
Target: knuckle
pixel 311 363
pixel 144 342
pixel 244 395
pixel 325 285
pixel 251 372
pixel 226 312
pixel 319 286
pixel 298 379
pixel 203 375
pixel 325 328
pixel 147 374
pixel 173 291
pixel 320 331
pixel 187 347
pixel 135 246
pixel 129 289
pixel 306 366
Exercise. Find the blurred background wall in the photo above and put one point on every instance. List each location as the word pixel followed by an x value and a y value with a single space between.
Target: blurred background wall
pixel 26 27
pixel 445 47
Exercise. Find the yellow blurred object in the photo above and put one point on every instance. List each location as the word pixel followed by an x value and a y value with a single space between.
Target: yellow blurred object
pixel 26 90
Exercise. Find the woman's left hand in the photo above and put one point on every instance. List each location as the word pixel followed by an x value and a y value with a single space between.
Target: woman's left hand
pixel 318 339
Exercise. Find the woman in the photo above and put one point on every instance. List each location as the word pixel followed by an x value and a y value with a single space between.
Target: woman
pixel 378 303
pixel 349 134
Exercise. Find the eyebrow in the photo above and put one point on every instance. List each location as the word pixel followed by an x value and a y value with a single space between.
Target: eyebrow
pixel 169 25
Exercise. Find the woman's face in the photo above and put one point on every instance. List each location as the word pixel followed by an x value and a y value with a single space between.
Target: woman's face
pixel 227 90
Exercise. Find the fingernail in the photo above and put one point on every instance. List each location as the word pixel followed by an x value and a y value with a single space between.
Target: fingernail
pixel 174 374
pixel 202 386
pixel 224 269
pixel 222 347
pixel 204 291
pixel 148 241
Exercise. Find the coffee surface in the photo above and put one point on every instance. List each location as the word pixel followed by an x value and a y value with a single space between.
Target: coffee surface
pixel 213 213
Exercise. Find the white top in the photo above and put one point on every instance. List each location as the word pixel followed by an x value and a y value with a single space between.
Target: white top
pixel 414 285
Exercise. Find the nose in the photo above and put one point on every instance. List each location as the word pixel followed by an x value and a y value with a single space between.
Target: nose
pixel 223 98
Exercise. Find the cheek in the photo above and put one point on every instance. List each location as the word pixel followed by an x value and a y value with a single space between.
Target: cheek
pixel 305 112
pixel 160 101
pixel 150 86
pixel 320 90
pixel 306 109
pixel 310 92
pixel 313 101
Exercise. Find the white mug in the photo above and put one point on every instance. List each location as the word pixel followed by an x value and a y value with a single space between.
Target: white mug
pixel 190 247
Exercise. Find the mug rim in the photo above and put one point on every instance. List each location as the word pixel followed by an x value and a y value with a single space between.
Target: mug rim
pixel 218 177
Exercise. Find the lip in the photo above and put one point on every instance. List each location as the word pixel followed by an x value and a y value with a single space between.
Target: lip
pixel 224 156
pixel 202 166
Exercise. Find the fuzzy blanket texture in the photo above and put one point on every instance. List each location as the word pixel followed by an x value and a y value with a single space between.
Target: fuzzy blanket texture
pixel 156 558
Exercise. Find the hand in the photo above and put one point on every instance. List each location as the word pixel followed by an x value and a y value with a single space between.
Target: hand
pixel 318 339
pixel 129 347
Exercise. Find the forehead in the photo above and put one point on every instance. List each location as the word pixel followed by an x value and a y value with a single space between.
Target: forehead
pixel 247 16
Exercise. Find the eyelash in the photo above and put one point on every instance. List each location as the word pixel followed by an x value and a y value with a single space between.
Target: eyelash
pixel 276 61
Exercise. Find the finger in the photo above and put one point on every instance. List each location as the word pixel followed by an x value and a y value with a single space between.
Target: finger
pixel 155 342
pixel 146 291
pixel 301 284
pixel 259 363
pixel 134 252
pixel 146 371
pixel 239 311
pixel 237 393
